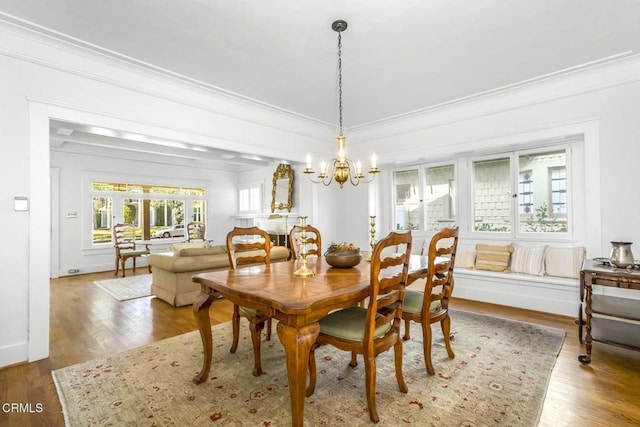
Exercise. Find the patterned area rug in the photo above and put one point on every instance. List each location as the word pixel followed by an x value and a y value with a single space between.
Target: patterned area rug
pixel 499 376
pixel 127 287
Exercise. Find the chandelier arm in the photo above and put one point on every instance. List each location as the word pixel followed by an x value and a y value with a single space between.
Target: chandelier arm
pixel 353 176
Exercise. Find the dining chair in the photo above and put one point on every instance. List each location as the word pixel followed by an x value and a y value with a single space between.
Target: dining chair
pixel 432 304
pixel 124 242
pixel 239 242
pixel 196 231
pixel 314 241
pixel 375 329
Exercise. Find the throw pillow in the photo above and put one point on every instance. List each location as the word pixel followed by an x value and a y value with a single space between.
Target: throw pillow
pixel 528 260
pixel 493 257
pixel 564 262
pixel 465 259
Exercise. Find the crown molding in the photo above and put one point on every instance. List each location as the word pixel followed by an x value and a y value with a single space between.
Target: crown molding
pixel 231 104
pixel 614 71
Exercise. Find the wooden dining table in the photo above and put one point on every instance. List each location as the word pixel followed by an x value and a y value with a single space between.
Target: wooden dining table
pixel 297 303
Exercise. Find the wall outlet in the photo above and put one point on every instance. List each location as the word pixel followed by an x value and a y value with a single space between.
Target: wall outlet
pixel 73 271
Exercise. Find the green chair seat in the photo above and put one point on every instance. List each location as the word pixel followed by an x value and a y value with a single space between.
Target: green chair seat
pixel 413 303
pixel 349 324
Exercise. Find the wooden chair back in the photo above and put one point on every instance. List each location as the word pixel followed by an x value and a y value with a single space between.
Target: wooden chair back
pixel 124 237
pixel 241 240
pixel 388 276
pixel 439 283
pixel 196 231
pixel 314 241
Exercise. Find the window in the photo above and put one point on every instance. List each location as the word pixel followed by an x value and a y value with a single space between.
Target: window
pixel 525 192
pixel 102 215
pixel 541 203
pixel 197 210
pixel 149 208
pixel 250 198
pixel 491 195
pixel 439 197
pixel 407 205
pixel 425 198
pixel 515 195
pixel 558 202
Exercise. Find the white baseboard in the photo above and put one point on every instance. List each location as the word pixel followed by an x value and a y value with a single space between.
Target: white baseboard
pixel 15 353
pixel 99 268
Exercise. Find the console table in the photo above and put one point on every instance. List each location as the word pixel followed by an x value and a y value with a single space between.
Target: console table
pixel 608 319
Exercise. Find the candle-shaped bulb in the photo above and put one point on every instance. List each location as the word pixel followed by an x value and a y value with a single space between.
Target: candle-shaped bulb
pixel 374 160
pixel 358 167
pixel 308 161
pixel 323 167
pixel 341 140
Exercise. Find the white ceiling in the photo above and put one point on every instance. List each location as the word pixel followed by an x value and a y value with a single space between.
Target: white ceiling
pixel 397 57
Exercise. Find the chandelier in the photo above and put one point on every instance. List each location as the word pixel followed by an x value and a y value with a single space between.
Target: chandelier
pixel 341 169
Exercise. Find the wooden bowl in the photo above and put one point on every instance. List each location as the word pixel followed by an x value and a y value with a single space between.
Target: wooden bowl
pixel 343 259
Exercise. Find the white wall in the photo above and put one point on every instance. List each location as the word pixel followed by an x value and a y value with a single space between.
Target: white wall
pixel 41 79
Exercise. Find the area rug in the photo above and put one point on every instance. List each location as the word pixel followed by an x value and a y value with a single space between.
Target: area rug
pixel 498 377
pixel 127 288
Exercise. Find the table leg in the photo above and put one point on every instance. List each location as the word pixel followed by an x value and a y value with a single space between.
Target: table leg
pixel 201 312
pixel 296 343
pixel 586 357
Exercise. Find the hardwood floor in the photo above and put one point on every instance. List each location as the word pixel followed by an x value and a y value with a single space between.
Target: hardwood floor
pixel 87 323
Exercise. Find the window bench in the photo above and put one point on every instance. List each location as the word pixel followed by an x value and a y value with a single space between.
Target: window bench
pixel 549 294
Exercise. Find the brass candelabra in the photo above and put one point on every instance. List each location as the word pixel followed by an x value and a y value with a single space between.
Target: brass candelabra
pixel 372 233
pixel 303 271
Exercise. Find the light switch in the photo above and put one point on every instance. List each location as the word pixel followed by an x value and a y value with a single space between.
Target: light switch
pixel 20 203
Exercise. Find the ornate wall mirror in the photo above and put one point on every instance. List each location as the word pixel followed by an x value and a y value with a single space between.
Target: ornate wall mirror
pixel 282 188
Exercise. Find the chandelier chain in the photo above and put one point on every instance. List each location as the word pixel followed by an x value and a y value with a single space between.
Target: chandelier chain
pixel 340 79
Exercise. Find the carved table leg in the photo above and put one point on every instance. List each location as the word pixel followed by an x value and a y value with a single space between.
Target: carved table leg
pixel 297 343
pixel 201 312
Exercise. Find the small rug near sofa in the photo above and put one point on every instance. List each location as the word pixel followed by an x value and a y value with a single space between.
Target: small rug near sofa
pixel 127 288
pixel 499 377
